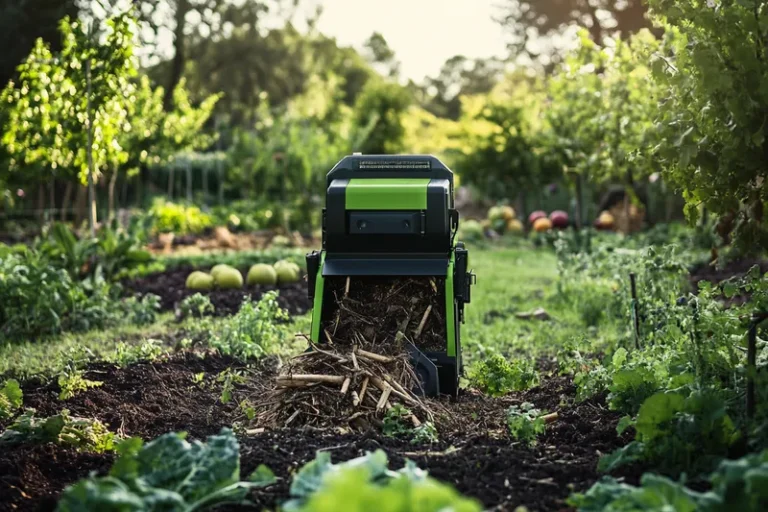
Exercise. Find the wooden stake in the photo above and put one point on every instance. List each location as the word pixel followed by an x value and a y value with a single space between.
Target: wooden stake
pixel 363 388
pixel 354 360
pixel 330 379
pixel 346 288
pixel 345 386
pixel 423 321
pixel 374 357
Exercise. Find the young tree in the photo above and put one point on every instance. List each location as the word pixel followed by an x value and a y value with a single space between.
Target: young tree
pixel 714 113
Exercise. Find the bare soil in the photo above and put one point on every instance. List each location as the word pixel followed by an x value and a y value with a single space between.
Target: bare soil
pixel 474 452
pixel 170 286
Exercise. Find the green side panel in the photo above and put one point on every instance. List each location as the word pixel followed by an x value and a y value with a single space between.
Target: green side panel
pixel 387 194
pixel 317 306
pixel 449 310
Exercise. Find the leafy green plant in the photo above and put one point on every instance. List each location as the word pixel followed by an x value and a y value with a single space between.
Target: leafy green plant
pixel 71 382
pixel 169 217
pixel 11 399
pixel 497 376
pixel 84 434
pixel 426 433
pixel 228 378
pixel 142 311
pixel 736 485
pixel 253 331
pixel 525 423
pixel 196 306
pixel 396 421
pixel 366 483
pixel 180 475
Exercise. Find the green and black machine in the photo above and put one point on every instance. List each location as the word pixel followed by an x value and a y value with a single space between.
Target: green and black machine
pixel 394 216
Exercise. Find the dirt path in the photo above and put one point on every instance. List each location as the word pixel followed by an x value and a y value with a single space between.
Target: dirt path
pixel 475 455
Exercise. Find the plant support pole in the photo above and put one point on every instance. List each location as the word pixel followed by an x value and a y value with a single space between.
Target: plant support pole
pixel 89 151
pixel 635 318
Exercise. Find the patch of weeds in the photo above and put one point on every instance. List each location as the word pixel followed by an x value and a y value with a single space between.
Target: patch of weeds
pixel 398 423
pixel 84 434
pixel 199 378
pixel 11 399
pixel 497 376
pixel 525 423
pixel 71 382
pixel 196 306
pixel 142 311
pixel 229 378
pixel 149 350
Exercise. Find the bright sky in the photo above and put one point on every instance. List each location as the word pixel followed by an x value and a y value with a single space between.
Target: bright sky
pixel 422 33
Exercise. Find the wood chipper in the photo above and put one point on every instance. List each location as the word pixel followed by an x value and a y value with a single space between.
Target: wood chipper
pixel 391 219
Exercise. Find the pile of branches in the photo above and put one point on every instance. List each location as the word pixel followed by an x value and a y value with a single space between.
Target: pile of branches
pixel 362 370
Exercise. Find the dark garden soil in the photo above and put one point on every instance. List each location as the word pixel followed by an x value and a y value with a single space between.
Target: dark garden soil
pixel 474 452
pixel 170 286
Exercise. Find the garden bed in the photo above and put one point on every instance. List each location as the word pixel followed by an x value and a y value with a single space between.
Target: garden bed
pixel 474 452
pixel 170 286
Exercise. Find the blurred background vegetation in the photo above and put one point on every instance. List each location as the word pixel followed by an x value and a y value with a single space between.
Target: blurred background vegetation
pixel 249 103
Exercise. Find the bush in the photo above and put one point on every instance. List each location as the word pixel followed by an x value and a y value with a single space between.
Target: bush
pixel 168 217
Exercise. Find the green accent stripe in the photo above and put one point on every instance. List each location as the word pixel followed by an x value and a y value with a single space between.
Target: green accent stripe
pixel 317 306
pixel 387 194
pixel 449 310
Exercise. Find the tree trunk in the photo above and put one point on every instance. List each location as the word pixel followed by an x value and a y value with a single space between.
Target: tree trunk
pixel 171 177
pixel 89 150
pixel 205 186
pixel 41 202
pixel 189 183
pixel 179 53
pixel 65 201
pixel 52 198
pixel 111 199
pixel 80 205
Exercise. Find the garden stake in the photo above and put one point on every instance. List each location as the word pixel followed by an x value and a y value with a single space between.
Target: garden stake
pixel 635 318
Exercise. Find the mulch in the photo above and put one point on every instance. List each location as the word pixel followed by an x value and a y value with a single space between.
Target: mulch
pixel 170 286
pixel 149 399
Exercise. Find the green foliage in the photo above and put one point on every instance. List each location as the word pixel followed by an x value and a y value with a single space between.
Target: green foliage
pixel 736 485
pixel 168 217
pixel 525 423
pixel 142 311
pixel 84 434
pixel 11 399
pixel 71 382
pixel 383 105
pixel 497 376
pixel 366 483
pixel 169 473
pixel 712 70
pixel 252 332
pixel 196 306
pixel 396 421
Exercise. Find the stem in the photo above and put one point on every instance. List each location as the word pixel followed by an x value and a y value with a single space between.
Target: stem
pixel 89 151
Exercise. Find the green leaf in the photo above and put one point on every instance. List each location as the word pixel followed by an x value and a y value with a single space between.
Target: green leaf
pixel 263 476
pixel 656 410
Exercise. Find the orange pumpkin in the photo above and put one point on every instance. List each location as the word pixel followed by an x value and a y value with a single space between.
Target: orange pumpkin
pixel 541 225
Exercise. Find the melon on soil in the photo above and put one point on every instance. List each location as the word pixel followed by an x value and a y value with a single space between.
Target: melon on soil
pixel 508 213
pixel 288 274
pixel 495 213
pixel 229 279
pixel 199 281
pixel 514 226
pixel 262 274
pixel 559 219
pixel 220 267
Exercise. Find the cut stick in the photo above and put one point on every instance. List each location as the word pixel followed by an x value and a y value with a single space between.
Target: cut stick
pixel 254 431
pixel 292 384
pixel 345 386
pixel 434 286
pixel 384 398
pixel 346 288
pixel 423 321
pixel 415 421
pixel 363 388
pixel 328 336
pixel 355 398
pixel 354 360
pixel 293 417
pixel 374 357
pixel 330 379
pixel 549 418
pixel 385 385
